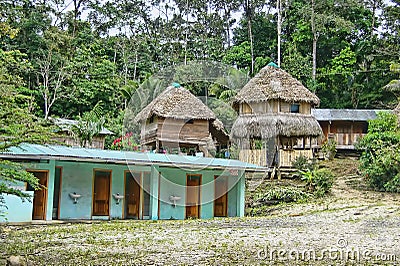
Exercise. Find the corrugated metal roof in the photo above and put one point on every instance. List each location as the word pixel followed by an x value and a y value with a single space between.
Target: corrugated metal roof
pixel 34 151
pixel 345 114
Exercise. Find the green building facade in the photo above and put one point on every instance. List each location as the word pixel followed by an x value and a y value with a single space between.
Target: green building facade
pixel 85 184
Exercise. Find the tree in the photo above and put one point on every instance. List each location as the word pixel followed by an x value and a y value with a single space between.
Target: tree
pixel 342 81
pixel 263 36
pixel 380 159
pixel 323 20
pixel 394 85
pixel 17 124
pixel 89 125
pixel 51 69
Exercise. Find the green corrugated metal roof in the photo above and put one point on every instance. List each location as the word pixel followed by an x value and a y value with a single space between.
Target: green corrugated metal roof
pixel 34 151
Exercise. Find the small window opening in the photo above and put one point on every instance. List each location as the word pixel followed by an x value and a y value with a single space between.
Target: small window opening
pixel 295 108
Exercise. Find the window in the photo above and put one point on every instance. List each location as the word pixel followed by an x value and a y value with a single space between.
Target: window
pixel 151 119
pixel 295 108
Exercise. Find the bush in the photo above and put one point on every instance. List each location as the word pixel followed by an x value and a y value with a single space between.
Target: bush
pixel 380 159
pixel 323 179
pixel 328 149
pixel 283 194
pixel 318 181
pixel 303 163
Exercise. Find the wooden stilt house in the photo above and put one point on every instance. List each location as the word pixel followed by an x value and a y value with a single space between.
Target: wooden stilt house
pixel 178 122
pixel 275 124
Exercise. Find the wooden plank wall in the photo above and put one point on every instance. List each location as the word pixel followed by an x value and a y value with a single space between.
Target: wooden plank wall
pixel 97 142
pixel 178 129
pixel 344 133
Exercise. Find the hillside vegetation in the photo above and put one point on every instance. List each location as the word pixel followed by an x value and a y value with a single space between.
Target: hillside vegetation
pixel 349 189
pixel 68 56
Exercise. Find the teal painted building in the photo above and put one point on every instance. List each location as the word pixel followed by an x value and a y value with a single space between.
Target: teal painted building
pixel 102 184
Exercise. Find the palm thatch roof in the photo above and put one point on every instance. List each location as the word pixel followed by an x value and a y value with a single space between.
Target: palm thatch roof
pixel 397 110
pixel 270 125
pixel 273 83
pixel 176 103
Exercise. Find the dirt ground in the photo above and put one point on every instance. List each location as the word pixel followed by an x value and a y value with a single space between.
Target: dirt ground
pixel 350 227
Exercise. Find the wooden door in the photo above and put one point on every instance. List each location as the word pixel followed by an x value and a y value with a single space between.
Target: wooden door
pixel 193 196
pixel 101 193
pixel 221 196
pixel 40 196
pixel 132 195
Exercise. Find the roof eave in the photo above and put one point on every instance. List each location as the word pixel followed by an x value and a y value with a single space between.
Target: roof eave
pixel 127 162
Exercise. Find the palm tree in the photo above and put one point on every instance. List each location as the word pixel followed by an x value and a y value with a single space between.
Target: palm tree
pixel 89 125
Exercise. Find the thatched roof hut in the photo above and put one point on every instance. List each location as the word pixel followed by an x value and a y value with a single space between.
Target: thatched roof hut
pixel 271 125
pixel 177 118
pixel 176 103
pixel 273 83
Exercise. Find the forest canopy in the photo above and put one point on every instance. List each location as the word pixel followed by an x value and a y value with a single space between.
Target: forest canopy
pixel 75 54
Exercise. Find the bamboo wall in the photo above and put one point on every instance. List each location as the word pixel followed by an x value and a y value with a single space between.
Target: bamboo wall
pixel 273 106
pixel 257 157
pixel 286 157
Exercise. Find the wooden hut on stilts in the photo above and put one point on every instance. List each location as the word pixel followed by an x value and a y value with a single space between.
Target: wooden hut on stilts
pixel 177 121
pixel 275 124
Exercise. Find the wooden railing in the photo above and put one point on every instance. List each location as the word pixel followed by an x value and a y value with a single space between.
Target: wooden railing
pixel 344 140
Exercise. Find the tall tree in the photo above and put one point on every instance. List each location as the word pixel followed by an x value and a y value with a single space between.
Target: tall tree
pixel 52 69
pixel 17 123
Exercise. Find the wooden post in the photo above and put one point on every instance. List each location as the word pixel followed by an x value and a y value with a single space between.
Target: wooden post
pixel 351 133
pixel 329 127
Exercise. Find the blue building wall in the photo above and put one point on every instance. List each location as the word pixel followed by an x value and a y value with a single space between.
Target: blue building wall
pixel 207 194
pixel 78 177
pixel 172 183
pixel 18 210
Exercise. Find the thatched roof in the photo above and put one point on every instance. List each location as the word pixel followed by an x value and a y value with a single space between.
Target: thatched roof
pixel 176 103
pixel 397 110
pixel 267 126
pixel 274 83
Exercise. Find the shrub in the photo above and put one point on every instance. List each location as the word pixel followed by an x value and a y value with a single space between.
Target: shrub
pixel 125 143
pixel 380 159
pixel 328 149
pixel 303 163
pixel 323 179
pixel 318 181
pixel 283 194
